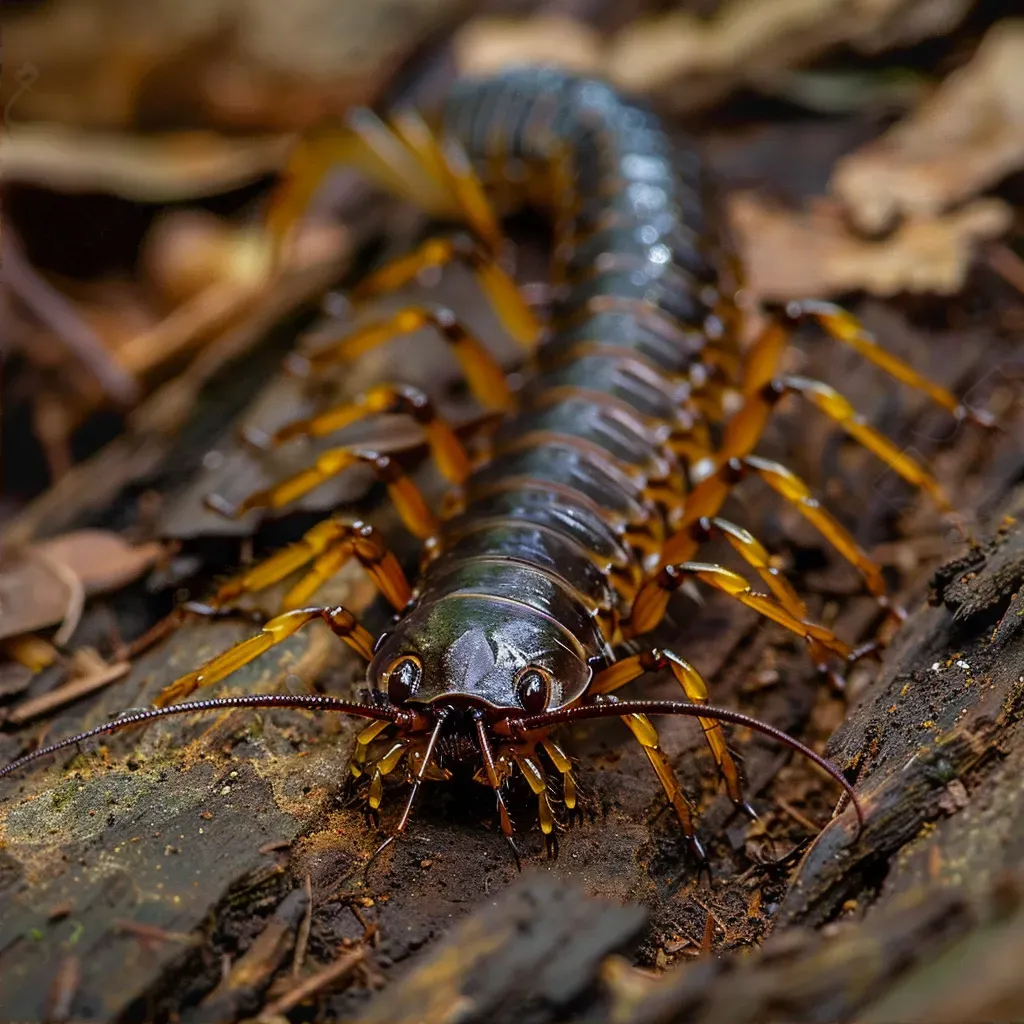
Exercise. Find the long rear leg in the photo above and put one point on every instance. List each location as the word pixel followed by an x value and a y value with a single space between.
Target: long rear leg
pixel 627 669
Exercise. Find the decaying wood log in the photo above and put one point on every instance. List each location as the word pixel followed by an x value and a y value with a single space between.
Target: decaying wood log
pixel 532 954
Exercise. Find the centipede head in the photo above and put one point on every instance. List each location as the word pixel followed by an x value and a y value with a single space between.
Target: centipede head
pixel 481 652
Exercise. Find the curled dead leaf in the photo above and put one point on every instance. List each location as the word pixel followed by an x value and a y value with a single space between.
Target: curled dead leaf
pixel 965 138
pixel 35 581
pixel 792 255
pixel 691 62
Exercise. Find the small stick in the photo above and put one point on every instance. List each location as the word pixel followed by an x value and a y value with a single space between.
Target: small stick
pixel 334 972
pixel 302 939
pixel 63 989
pixel 797 816
pixel 33 707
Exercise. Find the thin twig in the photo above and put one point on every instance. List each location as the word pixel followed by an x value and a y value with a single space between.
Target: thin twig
pixel 33 707
pixel 153 933
pixel 334 972
pixel 1007 264
pixel 302 939
pixel 54 310
pixel 797 816
pixel 63 990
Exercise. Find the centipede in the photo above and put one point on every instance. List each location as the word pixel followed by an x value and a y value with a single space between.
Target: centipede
pixel 585 500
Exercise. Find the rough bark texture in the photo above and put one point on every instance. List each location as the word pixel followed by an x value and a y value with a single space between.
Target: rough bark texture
pixel 167 875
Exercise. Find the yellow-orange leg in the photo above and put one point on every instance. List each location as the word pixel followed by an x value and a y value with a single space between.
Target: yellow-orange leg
pixel 275 631
pixel 561 761
pixel 328 545
pixel 754 554
pixel 446 159
pixel 421 772
pixel 533 772
pixel 792 489
pixel 406 496
pixel 362 541
pixel 404 156
pixel 654 660
pixel 744 430
pixel 844 327
pixel 363 741
pixel 322 545
pixel 513 311
pixel 483 372
pixel 385 399
pixel 652 602
pixel 747 426
pixel 384 766
pixel 647 736
pixel 690 440
pixel 368 145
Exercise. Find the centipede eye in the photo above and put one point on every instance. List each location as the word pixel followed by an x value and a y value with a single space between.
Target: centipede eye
pixel 403 678
pixel 533 688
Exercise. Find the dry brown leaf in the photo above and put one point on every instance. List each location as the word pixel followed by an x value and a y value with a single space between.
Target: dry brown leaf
pixel 209 274
pixel 698 61
pixel 35 588
pixel 692 62
pixel 487 44
pixel 238 276
pixel 965 138
pixel 793 255
pixel 243 65
pixel 155 169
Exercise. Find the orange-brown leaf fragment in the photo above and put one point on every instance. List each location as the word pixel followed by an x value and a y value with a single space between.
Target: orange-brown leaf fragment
pixel 486 45
pixel 965 138
pixel 795 254
pixel 35 581
pixel 692 62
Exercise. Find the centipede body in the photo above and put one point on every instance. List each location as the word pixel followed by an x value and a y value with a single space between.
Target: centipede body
pixel 562 542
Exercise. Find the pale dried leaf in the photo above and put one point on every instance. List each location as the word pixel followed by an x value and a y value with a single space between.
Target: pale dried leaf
pixel 793 255
pixel 694 62
pixel 965 138
pixel 242 65
pixel 33 595
pixel 691 62
pixel 239 281
pixel 488 44
pixel 156 169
